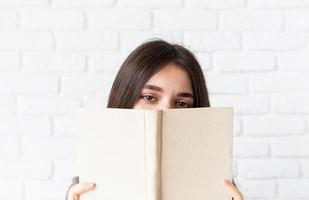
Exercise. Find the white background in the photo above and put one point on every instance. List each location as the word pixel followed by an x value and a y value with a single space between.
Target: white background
pixel 58 55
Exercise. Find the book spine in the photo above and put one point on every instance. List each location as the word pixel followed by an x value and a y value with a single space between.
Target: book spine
pixel 153 154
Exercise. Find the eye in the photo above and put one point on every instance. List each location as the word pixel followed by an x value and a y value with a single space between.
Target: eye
pixel 147 97
pixel 184 104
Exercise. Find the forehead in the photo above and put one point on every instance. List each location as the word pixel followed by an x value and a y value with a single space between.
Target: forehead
pixel 172 77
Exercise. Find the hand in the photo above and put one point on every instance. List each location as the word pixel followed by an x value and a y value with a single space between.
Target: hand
pixel 233 190
pixel 79 189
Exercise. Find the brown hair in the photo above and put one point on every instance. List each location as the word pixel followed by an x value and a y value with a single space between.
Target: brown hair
pixel 144 62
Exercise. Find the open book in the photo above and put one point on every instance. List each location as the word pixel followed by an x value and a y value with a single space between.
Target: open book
pixel 172 154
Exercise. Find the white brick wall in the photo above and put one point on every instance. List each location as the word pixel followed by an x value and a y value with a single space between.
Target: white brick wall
pixel 58 55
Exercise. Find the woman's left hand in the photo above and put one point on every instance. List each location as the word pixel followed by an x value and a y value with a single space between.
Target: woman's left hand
pixel 233 190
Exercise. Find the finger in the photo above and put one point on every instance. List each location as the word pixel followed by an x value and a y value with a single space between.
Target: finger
pixel 233 190
pixel 79 189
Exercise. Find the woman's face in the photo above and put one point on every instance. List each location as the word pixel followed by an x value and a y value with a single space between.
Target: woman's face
pixel 169 88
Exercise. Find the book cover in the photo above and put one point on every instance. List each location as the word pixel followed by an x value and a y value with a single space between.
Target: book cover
pixel 172 154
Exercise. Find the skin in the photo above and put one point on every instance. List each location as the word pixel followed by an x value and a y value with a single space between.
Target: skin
pixel 169 88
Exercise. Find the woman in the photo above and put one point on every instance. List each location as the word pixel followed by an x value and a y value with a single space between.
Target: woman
pixel 157 75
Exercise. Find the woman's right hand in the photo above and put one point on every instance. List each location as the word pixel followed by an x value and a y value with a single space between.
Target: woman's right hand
pixel 78 189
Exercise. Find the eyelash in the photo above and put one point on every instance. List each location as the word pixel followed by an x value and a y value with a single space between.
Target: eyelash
pixel 143 96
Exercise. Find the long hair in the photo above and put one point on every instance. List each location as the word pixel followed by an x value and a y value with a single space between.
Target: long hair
pixel 144 62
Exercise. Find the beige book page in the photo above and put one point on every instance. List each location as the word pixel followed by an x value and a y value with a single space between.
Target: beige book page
pixel 196 153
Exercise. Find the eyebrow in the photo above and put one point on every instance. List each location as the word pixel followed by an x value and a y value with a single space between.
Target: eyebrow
pixel 159 89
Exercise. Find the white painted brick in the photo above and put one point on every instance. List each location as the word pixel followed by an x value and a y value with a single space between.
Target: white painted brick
pixel 211 41
pixel 185 19
pixel 226 83
pixel 47 104
pixel 277 3
pixel 215 3
pixel 250 20
pixel 86 40
pixel 252 189
pixel 150 3
pixel 63 125
pixel 108 62
pixel 251 148
pixel 305 168
pixel 296 60
pixel 42 18
pixel 28 83
pixel 203 59
pixel 242 104
pixel 83 3
pixel 237 126
pixel 48 147
pixel 96 100
pixel 290 103
pixel 9 61
pixel 280 82
pixel 294 188
pixel 23 2
pixel 244 61
pixel 297 19
pixel 25 169
pixel 65 169
pixel 290 146
pixel 26 40
pixel 8 20
pixel 289 40
pixel 11 189
pixel 54 62
pixel 118 19
pixel 274 125
pixel 87 83
pixel 268 168
pixel 7 105
pixel 49 189
pixel 25 126
pixel 131 39
pixel 9 148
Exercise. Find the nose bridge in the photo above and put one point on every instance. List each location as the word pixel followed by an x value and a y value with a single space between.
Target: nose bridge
pixel 166 103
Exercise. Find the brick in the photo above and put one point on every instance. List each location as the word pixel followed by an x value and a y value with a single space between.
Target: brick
pixel 54 62
pixel 43 18
pixel 113 19
pixel 280 82
pixel 290 103
pixel 26 40
pixel 7 105
pixel 274 125
pixel 87 83
pixel 290 146
pixel 296 60
pixel 277 3
pixel 83 3
pixel 250 20
pixel 86 40
pixel 48 147
pixel 268 168
pixel 9 148
pixel 244 61
pixel 150 3
pixel 204 60
pixel 22 83
pixel 305 168
pixel 47 104
pixel 266 189
pixel 251 148
pixel 293 188
pixel 288 40
pixel 63 125
pixel 184 19
pixel 25 126
pixel 65 169
pixel 23 2
pixel 226 83
pixel 216 3
pixel 242 104
pixel 97 100
pixel 25 169
pixel 8 20
pixel 237 126
pixel 131 39
pixel 211 41
pixel 11 188
pixel 9 61
pixel 297 20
